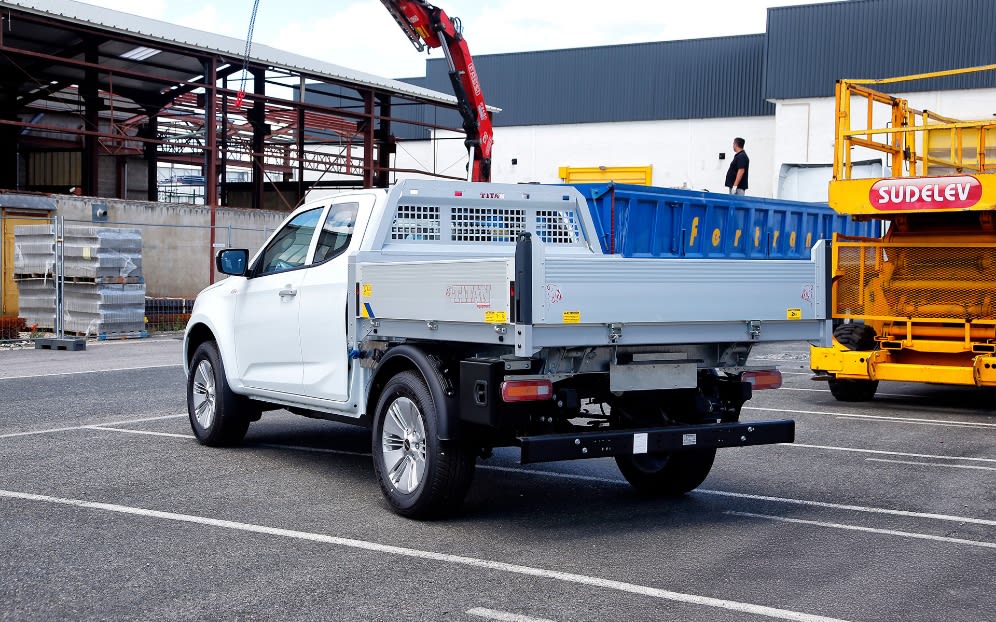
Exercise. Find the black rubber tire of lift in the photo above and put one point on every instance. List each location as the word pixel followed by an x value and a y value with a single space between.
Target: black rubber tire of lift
pixel 854 337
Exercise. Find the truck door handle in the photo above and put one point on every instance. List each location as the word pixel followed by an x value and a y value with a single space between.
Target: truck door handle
pixel 288 292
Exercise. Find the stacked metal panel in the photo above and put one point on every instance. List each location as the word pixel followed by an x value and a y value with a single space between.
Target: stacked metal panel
pixel 106 310
pixel 34 265
pixel 36 301
pixel 104 291
pixel 103 255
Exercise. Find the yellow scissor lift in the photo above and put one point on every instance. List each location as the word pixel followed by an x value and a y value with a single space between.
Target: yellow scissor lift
pixel 920 302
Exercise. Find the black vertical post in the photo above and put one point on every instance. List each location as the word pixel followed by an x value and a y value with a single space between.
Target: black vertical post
pixel 8 136
pixel 257 117
pixel 152 153
pixel 523 303
pixel 368 139
pixel 385 143
pixel 210 132
pixel 223 145
pixel 300 150
pixel 91 123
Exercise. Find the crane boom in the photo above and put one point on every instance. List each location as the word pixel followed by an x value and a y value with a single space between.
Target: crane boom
pixel 429 26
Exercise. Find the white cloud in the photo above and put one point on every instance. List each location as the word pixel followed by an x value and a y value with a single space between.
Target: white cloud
pixel 361 35
pixel 155 9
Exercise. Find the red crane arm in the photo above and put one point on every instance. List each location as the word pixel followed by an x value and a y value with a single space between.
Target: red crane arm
pixel 429 26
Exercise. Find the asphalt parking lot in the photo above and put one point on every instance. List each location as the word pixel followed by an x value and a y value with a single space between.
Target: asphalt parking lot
pixel 111 511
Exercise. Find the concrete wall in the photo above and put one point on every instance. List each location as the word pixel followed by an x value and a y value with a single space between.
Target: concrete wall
pixel 176 239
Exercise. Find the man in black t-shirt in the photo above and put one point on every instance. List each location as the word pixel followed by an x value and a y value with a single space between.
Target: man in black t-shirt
pixel 736 177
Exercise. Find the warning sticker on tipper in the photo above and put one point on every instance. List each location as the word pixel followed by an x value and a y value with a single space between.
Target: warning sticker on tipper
pixel 572 317
pixel 86 253
pixel 368 290
pixel 793 314
pixel 496 317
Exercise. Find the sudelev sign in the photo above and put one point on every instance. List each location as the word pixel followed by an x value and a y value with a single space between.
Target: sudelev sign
pixel 925 193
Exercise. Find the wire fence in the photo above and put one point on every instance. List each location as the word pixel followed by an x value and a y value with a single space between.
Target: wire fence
pixel 106 280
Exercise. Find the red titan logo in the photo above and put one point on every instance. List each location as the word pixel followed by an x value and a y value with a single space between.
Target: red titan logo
pixel 925 193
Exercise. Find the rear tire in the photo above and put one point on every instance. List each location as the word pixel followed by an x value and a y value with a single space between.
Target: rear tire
pixel 218 417
pixel 420 475
pixel 667 474
pixel 859 337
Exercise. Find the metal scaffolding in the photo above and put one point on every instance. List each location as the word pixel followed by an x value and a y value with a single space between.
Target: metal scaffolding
pixel 95 100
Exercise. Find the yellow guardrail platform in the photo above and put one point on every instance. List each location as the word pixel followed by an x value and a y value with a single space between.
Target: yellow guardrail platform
pixel 920 301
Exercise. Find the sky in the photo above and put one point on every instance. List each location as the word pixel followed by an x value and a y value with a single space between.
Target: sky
pixel 362 35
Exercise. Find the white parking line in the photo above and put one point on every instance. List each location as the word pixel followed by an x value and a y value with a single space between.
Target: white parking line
pixel 606 480
pixel 888 532
pixel 936 464
pixel 503 616
pixel 852 508
pixel 320 450
pixel 146 432
pixel 458 560
pixel 90 371
pixel 911 420
pixel 740 495
pixel 883 452
pixel 828 390
pixel 84 427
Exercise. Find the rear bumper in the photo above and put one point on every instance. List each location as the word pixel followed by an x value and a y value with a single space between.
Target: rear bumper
pixel 978 370
pixel 595 444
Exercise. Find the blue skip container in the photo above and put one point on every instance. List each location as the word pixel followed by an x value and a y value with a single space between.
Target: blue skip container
pixel 646 221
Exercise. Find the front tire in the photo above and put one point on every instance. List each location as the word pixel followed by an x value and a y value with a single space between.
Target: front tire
pixel 420 475
pixel 860 337
pixel 217 415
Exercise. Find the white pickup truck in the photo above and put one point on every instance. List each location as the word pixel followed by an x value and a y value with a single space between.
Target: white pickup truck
pixel 451 318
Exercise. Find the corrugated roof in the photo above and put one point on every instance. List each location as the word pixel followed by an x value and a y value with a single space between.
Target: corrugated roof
pixel 199 40
pixel 810 47
pixel 701 78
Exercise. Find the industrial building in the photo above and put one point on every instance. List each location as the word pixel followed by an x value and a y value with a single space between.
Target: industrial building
pixel 100 103
pixel 105 104
pixel 109 104
pixel 666 112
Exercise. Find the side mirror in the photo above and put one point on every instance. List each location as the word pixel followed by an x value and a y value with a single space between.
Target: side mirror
pixel 233 261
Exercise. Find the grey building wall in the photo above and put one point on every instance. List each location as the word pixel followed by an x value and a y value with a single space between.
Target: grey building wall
pixel 810 47
pixel 804 51
pixel 701 78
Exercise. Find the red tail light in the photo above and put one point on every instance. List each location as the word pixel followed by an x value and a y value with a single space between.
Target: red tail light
pixel 763 379
pixel 526 390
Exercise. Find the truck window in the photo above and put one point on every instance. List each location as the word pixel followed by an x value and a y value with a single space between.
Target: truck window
pixel 289 249
pixel 336 232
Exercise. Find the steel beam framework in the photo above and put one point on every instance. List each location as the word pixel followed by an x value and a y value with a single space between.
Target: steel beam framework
pixel 178 108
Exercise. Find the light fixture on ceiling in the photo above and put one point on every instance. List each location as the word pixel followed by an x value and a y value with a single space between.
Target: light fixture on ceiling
pixel 140 53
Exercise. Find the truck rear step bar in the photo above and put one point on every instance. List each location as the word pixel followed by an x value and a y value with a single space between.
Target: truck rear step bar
pixel 550 447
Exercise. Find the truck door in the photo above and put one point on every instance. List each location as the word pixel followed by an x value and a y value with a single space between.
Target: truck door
pixel 326 362
pixel 267 310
